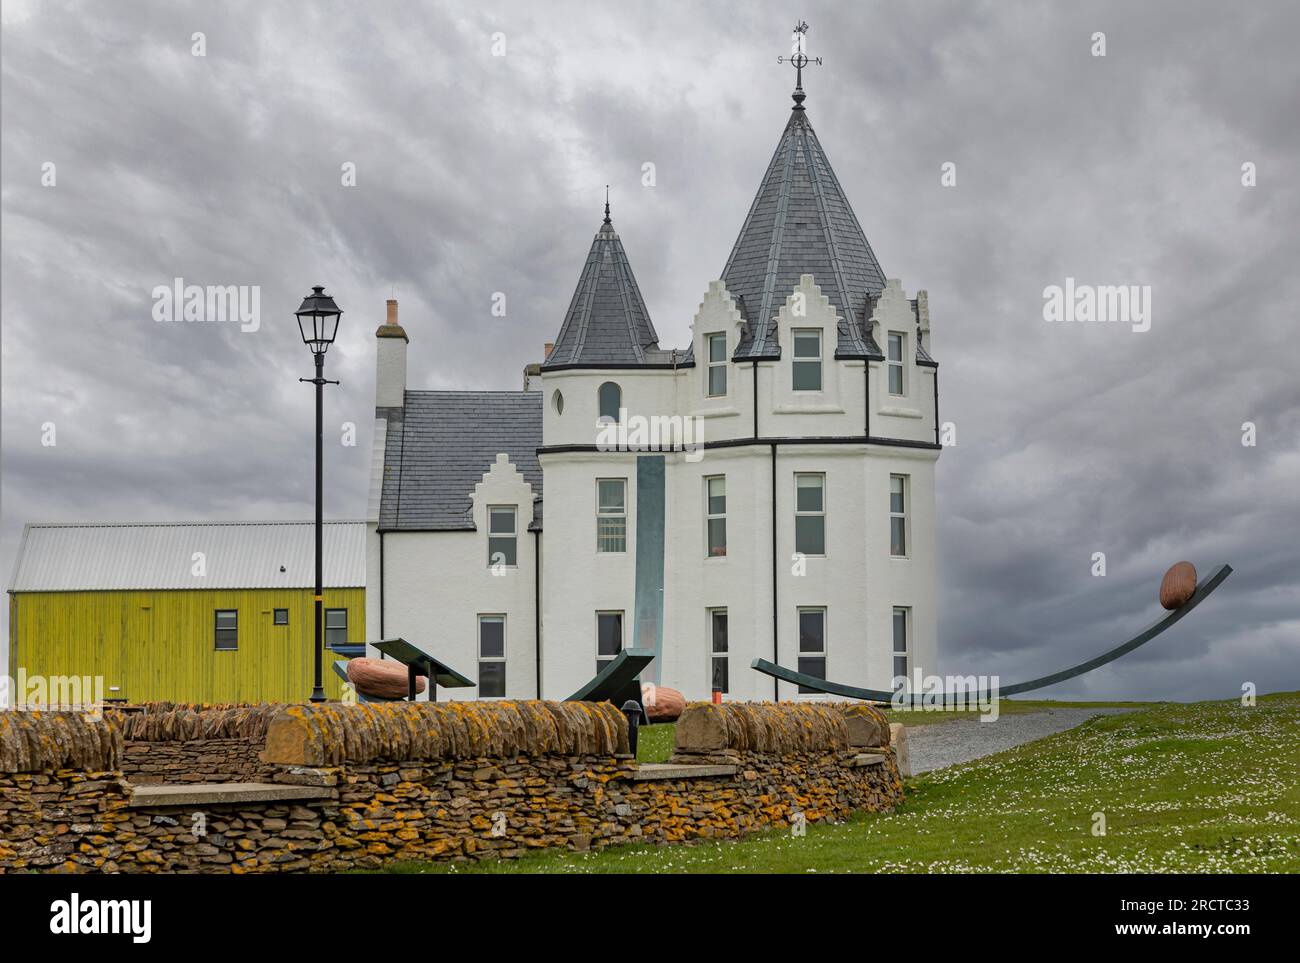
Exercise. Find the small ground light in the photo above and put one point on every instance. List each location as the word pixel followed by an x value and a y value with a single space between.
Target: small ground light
pixel 632 709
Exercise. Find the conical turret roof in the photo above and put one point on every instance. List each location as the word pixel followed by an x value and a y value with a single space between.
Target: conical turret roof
pixel 607 323
pixel 801 222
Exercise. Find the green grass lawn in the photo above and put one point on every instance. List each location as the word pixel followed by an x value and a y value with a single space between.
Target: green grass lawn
pixel 1205 787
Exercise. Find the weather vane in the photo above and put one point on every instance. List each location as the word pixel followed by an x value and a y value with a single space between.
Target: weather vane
pixel 800 59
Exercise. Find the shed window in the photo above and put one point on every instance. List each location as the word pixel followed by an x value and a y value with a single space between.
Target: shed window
pixel 336 627
pixel 227 629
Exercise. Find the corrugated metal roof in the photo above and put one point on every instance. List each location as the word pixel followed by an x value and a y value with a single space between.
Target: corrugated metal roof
pixel 236 555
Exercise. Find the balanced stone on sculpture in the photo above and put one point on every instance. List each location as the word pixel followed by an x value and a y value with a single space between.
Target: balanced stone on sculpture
pixel 1178 585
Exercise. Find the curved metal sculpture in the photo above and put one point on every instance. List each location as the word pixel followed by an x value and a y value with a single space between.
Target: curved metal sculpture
pixel 1203 588
pixel 618 681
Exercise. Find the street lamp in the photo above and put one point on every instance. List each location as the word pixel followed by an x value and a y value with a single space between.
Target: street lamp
pixel 318 322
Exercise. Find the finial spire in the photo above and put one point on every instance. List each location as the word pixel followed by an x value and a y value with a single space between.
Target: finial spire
pixel 799 59
pixel 607 221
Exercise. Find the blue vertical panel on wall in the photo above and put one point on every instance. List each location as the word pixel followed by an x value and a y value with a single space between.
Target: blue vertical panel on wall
pixel 648 619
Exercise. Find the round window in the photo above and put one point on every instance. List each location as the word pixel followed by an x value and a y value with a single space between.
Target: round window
pixel 557 401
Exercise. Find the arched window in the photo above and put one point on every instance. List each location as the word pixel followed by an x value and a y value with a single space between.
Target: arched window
pixel 610 397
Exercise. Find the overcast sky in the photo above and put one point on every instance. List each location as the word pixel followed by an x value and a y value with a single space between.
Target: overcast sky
pixel 478 174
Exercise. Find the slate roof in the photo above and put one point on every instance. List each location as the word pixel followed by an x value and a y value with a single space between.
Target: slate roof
pixel 802 223
pixel 440 445
pixel 607 322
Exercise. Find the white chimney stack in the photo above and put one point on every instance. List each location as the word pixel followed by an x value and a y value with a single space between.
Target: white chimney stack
pixel 390 361
pixel 923 321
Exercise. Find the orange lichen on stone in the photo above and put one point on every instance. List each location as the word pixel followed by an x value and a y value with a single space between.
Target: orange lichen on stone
pixel 36 741
pixel 767 727
pixel 333 734
pixel 182 721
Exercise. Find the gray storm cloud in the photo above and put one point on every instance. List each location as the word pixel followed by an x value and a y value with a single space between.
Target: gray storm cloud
pixel 478 174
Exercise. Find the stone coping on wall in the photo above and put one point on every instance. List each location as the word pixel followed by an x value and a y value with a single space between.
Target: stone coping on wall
pixel 648 771
pixel 341 734
pixel 778 727
pixel 189 721
pixel 216 793
pixel 32 740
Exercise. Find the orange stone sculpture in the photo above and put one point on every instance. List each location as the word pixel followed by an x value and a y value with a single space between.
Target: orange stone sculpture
pixel 661 703
pixel 382 678
pixel 1178 585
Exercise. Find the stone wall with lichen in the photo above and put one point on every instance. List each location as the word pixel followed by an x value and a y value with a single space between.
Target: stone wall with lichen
pixel 460 781
pixel 195 761
pixel 178 742
pixel 334 734
pixel 706 729
pixel 36 741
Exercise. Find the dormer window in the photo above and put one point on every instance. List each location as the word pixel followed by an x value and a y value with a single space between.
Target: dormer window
pixel 610 399
pixel 716 385
pixel 503 535
pixel 896 366
pixel 807 363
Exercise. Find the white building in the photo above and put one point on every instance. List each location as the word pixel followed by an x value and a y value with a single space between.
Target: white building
pixel 803 531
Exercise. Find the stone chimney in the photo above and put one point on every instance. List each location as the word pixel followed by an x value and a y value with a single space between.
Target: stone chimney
pixel 923 321
pixel 533 372
pixel 390 361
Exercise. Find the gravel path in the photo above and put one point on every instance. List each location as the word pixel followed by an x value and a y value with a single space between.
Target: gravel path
pixel 961 740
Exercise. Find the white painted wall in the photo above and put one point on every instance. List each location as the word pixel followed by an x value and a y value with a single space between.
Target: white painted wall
pixel 390 372
pixel 439 582
pixel 578 581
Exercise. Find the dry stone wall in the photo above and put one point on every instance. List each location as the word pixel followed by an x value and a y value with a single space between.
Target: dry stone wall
pixel 195 761
pixel 372 784
pixel 176 742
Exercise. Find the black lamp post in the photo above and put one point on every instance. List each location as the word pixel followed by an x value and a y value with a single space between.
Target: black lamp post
pixel 318 321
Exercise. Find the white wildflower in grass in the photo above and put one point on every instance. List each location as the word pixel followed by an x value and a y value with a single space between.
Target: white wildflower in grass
pixel 1202 788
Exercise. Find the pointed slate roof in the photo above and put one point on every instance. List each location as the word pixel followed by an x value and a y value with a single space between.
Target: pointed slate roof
pixel 802 223
pixel 607 323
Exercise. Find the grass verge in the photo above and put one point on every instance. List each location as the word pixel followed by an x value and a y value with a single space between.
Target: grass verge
pixel 1205 787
